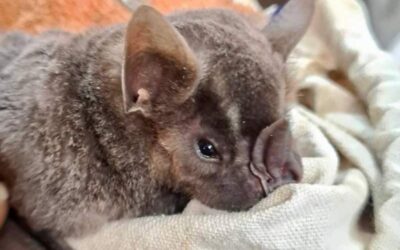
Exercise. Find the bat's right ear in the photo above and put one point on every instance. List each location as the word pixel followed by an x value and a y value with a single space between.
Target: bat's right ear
pixel 160 70
pixel 288 25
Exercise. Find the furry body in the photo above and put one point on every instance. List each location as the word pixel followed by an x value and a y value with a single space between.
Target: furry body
pixel 74 159
pixel 64 134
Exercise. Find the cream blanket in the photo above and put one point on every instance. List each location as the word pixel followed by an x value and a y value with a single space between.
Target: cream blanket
pixel 348 132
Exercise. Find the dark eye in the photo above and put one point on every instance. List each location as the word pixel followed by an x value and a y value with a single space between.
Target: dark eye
pixel 207 149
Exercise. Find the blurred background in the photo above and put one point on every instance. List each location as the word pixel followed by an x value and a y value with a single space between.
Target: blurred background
pixel 385 22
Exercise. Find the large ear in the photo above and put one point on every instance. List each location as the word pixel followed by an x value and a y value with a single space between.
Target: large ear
pixel 159 68
pixel 274 157
pixel 288 24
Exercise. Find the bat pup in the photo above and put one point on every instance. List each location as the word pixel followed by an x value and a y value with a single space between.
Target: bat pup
pixel 136 120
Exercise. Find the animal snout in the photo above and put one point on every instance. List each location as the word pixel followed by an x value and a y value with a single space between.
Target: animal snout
pixel 274 159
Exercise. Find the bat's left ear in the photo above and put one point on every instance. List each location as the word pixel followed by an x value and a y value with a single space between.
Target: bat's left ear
pixel 288 24
pixel 160 70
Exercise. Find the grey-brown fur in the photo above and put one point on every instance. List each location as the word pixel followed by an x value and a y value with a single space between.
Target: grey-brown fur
pixel 75 160
pixel 67 140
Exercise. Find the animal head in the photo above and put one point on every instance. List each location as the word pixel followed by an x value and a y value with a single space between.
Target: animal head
pixel 214 86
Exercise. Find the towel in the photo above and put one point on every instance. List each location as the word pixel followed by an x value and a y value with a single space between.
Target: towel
pixel 347 128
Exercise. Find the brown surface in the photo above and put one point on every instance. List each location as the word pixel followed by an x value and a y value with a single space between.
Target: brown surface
pixel 266 3
pixel 72 15
pixel 13 237
pixel 3 212
pixel 76 15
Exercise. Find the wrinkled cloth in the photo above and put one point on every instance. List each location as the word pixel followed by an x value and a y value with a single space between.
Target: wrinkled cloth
pixel 347 129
